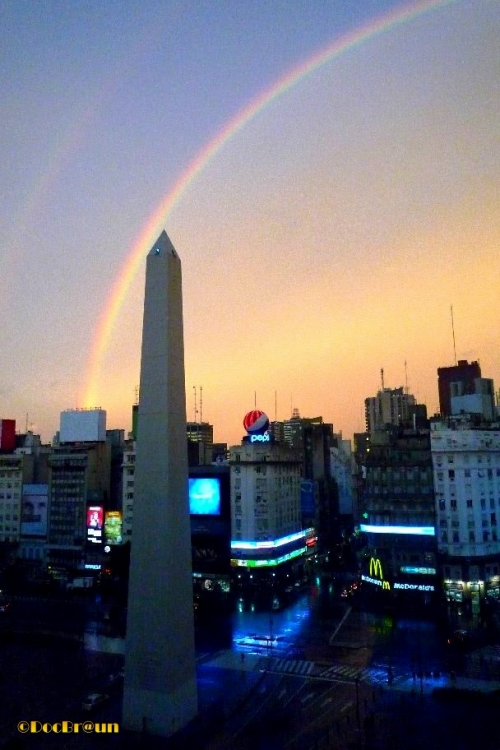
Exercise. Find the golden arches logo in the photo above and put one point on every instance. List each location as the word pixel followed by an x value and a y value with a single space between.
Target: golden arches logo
pixel 376 568
pixel 377 572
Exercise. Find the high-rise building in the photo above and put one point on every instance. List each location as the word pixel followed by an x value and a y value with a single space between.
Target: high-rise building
pixel 200 436
pixel 464 373
pixel 391 406
pixel 160 691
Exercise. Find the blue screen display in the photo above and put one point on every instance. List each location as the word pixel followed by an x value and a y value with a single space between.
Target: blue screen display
pixel 204 497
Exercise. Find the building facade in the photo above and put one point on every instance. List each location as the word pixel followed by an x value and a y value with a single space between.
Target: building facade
pixel 399 558
pixel 266 521
pixel 466 467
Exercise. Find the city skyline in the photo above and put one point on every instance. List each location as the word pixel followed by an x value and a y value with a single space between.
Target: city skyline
pixel 327 175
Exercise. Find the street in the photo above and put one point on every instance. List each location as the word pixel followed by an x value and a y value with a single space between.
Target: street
pixel 319 672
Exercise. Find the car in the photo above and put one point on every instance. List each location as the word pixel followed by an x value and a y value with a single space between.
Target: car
pixel 94 700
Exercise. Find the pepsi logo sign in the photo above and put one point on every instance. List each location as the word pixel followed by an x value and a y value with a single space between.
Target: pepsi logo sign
pixel 266 438
pixel 256 422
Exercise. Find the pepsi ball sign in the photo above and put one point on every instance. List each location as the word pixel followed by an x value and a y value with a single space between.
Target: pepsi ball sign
pixel 256 422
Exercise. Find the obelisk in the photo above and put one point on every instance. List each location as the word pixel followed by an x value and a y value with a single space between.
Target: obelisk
pixel 160 692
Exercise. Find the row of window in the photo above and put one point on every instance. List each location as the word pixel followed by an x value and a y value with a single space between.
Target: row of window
pixel 468 473
pixel 469 503
pixel 455 538
pixel 471 522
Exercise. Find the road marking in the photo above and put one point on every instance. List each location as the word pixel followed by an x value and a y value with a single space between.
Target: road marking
pixel 339 626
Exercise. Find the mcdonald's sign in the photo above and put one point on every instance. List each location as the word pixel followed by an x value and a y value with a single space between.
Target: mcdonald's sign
pixel 376 568
pixel 376 574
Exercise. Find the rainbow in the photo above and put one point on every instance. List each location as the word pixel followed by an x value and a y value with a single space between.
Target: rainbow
pixel 155 224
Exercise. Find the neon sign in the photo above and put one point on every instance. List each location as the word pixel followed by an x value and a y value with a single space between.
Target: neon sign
pixel 419 571
pixel 414 586
pixel 376 570
pixel 415 530
pixel 265 438
pixel 267 563
pixel 274 543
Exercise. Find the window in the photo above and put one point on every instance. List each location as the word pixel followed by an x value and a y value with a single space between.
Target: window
pixel 467 472
pixel 486 536
pixel 442 504
pixel 456 537
pixel 451 475
pixel 472 536
pixel 493 518
pixel 469 502
pixel 453 504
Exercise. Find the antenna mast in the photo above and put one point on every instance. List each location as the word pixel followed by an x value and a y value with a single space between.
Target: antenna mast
pixel 406 379
pixel 453 331
pixel 195 405
pixel 382 377
pixel 201 403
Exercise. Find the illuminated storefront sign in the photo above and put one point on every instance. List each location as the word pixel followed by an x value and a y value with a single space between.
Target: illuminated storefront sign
pixel 265 438
pixel 267 563
pixel 376 574
pixel 414 586
pixel 414 530
pixel 419 571
pixel 272 544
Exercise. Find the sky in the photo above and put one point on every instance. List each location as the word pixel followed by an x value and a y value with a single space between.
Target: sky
pixel 327 171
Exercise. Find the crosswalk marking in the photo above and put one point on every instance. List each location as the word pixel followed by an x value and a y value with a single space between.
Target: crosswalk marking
pixel 291 666
pixel 376 675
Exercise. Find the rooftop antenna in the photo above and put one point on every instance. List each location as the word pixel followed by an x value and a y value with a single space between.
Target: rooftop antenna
pixel 26 428
pixel 201 403
pixel 136 394
pixel 453 331
pixel 382 377
pixel 195 404
pixel 406 379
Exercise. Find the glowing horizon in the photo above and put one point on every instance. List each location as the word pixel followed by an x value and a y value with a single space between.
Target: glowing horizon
pixel 155 224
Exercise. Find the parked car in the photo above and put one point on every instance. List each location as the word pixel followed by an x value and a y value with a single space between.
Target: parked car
pixel 94 700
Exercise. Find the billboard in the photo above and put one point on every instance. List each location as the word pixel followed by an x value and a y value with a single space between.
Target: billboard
pixel 82 426
pixel 34 510
pixel 95 518
pixel 204 496
pixel 113 527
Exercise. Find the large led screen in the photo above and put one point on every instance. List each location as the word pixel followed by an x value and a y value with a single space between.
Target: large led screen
pixel 204 496
pixel 95 518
